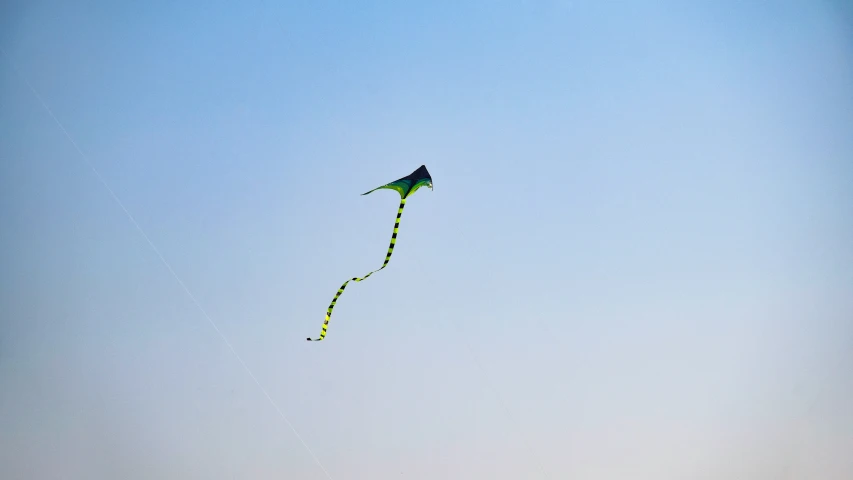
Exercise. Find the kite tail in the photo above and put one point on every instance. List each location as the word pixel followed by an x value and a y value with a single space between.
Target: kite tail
pixel 356 279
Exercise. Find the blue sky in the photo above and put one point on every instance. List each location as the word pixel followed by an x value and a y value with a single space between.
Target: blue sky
pixel 636 261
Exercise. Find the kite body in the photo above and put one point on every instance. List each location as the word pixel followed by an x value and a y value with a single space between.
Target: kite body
pixel 405 186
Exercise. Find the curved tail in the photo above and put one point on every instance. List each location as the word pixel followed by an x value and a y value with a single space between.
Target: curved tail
pixel 356 279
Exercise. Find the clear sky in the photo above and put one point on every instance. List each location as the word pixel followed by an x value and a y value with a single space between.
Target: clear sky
pixel 637 261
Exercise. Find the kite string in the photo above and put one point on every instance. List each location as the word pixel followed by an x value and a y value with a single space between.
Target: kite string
pixel 163 260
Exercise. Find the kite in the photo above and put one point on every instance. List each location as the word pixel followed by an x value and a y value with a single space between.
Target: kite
pixel 405 186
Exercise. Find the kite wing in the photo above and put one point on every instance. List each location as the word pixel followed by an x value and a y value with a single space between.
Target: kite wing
pixel 405 186
pixel 409 184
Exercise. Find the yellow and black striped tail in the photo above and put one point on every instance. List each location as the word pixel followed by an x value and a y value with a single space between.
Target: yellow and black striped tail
pixel 356 279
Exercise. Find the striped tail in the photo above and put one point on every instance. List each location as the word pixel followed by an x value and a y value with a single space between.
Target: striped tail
pixel 356 279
